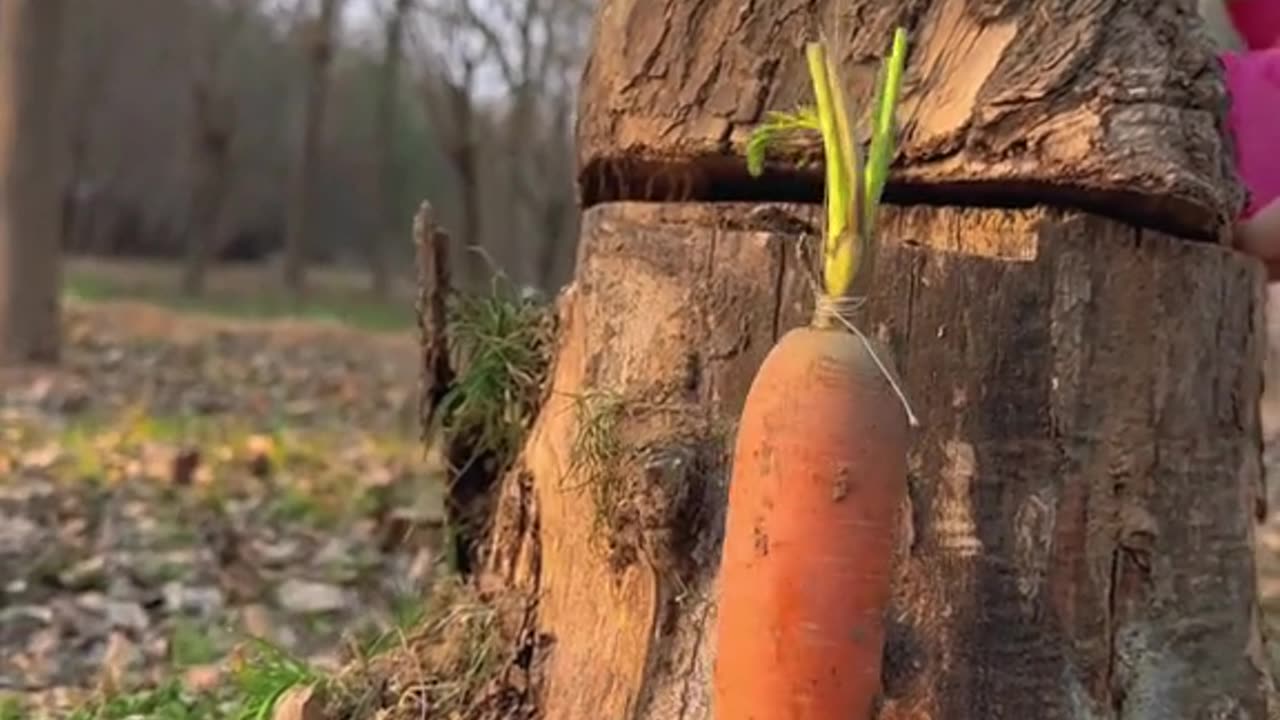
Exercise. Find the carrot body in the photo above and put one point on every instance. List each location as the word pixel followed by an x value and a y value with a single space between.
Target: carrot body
pixel 819 475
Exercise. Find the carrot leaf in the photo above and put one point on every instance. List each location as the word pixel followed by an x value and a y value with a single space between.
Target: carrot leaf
pixel 880 154
pixel 778 125
pixel 854 186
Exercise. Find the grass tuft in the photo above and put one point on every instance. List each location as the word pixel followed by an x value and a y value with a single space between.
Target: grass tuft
pixel 500 349
pixel 11 708
pixel 448 665
pixel 166 702
pixel 192 644
pixel 263 675
pixel 598 452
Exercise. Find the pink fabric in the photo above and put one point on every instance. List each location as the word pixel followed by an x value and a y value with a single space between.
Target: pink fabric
pixel 1253 81
pixel 1257 21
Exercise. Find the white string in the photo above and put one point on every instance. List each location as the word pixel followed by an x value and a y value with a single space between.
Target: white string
pixel 839 308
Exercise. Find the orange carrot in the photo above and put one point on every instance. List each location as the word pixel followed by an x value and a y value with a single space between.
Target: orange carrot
pixel 819 471
pixel 819 475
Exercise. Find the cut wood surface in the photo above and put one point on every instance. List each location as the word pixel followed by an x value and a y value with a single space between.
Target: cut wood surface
pixel 1113 106
pixel 1078 542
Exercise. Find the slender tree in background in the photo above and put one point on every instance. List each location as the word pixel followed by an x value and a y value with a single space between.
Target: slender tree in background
pixel 30 180
pixel 535 48
pixel 387 177
pixel 448 87
pixel 319 39
pixel 213 116
pixel 540 67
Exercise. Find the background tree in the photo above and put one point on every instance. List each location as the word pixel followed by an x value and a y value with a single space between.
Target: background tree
pixel 151 175
pixel 508 73
pixel 30 180
pixel 387 175
pixel 213 116
pixel 318 38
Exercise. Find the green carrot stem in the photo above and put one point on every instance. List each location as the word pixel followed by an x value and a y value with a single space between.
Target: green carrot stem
pixel 879 157
pixel 837 186
pixel 848 245
pixel 880 154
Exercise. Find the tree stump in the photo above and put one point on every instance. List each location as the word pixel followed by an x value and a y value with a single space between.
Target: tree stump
pixel 1114 106
pixel 1080 529
pixel 1078 542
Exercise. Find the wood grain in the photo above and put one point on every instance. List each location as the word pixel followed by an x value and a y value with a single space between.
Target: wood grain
pixel 1113 106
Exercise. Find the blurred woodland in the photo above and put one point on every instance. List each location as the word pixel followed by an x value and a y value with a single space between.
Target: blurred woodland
pixel 305 132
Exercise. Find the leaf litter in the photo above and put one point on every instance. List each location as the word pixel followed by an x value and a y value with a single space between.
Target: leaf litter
pixel 182 486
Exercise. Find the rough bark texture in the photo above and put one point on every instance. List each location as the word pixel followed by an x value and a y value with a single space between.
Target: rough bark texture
pixel 1107 105
pixel 30 181
pixel 468 499
pixel 431 254
pixel 1079 536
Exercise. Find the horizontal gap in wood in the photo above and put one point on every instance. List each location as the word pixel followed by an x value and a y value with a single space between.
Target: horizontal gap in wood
pixel 725 179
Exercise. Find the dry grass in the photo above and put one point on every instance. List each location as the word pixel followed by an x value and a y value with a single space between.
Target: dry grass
pixel 598 454
pixel 452 665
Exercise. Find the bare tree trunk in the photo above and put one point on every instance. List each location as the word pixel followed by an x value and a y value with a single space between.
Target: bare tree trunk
pixel 387 175
pixel 557 209
pixel 213 133
pixel 320 42
pixel 465 157
pixel 212 150
pixel 30 180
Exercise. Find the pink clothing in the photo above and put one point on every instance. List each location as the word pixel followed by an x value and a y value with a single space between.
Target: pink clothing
pixel 1253 82
pixel 1257 21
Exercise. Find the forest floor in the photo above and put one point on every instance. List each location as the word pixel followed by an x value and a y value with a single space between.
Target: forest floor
pixel 187 481
pixel 246 292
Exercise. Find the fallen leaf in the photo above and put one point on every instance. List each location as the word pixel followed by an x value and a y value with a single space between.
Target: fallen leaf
pixel 185 464
pixel 43 457
pixel 88 573
pixel 119 659
pixel 202 678
pixel 299 703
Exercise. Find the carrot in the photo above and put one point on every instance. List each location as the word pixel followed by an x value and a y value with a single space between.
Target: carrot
pixel 819 470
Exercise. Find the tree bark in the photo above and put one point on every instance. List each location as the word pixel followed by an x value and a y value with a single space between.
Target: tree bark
pixel 464 154
pixel 1106 105
pixel 213 134
pixel 431 256
pixel 387 175
pixel 30 181
pixel 1079 532
pixel 214 119
pixel 320 42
